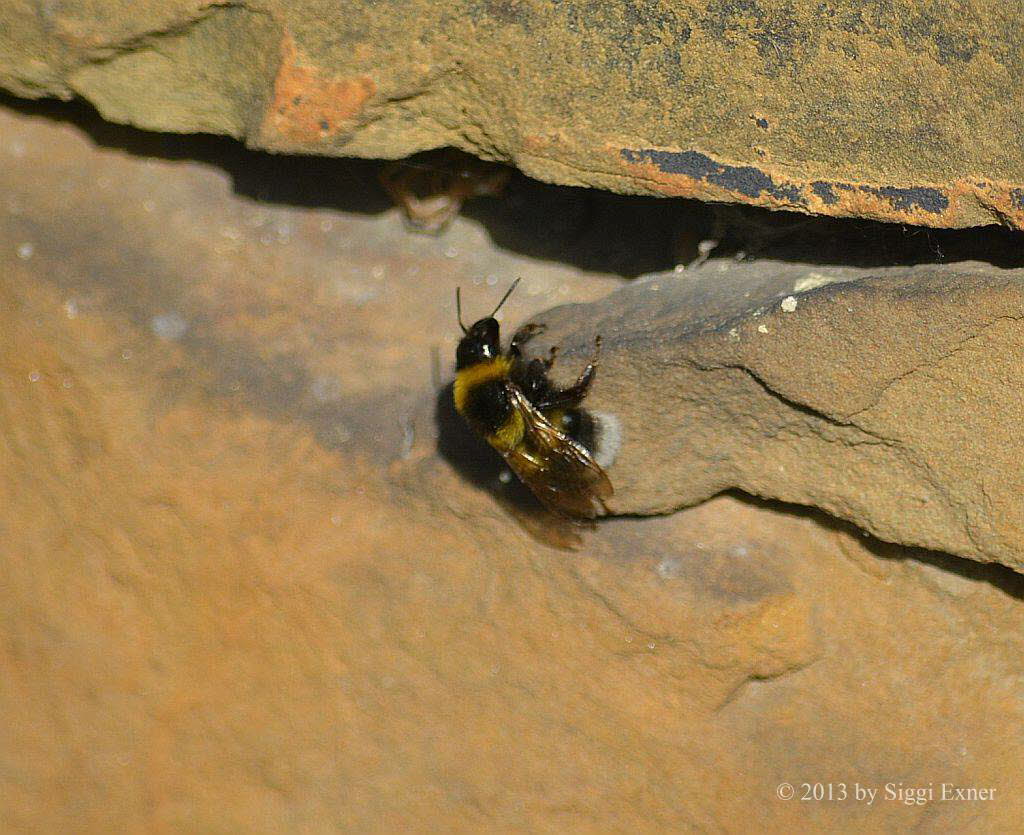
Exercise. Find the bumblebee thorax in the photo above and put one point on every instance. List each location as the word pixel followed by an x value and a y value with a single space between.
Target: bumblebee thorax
pixel 478 382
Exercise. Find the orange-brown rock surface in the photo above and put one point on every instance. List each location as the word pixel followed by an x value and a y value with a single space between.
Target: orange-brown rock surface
pixel 908 112
pixel 242 587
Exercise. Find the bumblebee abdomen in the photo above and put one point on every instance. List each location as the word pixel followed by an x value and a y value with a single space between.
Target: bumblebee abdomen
pixel 486 406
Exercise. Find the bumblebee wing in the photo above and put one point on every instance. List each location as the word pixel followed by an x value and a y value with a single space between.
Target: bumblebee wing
pixel 559 471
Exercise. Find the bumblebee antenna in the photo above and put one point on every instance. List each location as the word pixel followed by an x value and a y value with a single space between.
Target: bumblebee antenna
pixel 458 307
pixel 505 297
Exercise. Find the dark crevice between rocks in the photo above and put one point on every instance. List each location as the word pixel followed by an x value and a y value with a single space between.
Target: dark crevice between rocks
pixel 1006 580
pixel 587 228
pixel 999 576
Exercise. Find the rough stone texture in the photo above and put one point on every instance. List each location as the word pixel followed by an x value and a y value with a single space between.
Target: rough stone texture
pixel 906 112
pixel 253 579
pixel 888 397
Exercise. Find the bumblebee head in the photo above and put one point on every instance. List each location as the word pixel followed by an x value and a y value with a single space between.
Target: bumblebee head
pixel 481 342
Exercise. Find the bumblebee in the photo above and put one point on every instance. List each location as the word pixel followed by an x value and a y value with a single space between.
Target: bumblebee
pixel 537 428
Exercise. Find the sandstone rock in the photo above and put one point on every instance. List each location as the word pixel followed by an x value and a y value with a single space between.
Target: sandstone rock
pixel 241 588
pixel 889 397
pixel 904 112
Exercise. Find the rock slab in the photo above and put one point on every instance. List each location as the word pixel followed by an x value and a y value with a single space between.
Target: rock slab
pixel 892 398
pixel 897 112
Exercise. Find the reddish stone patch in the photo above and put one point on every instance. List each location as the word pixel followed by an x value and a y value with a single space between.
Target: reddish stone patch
pixel 308 107
pixel 1004 201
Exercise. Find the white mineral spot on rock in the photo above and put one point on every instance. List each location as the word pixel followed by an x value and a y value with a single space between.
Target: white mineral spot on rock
pixel 169 327
pixel 810 281
pixel 26 250
pixel 353 291
pixel 669 568
pixel 505 477
pixel 34 376
pixel 126 354
pixel 326 389
pixel 451 252
pixel 408 437
pixel 788 304
pixel 762 329
pixel 71 308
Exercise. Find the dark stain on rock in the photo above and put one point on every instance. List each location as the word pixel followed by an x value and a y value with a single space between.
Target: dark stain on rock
pixel 823 191
pixel 953 44
pixel 908 199
pixel 761 122
pixel 1017 197
pixel 776 32
pixel 754 183
pixel 956 47
pixel 743 179
pixel 643 37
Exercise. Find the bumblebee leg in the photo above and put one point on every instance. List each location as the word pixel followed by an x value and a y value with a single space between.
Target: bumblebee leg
pixel 522 336
pixel 534 381
pixel 572 396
